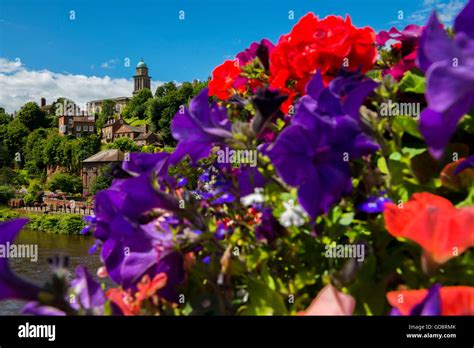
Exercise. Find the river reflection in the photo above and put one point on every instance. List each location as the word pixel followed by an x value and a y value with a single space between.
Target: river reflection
pixel 76 247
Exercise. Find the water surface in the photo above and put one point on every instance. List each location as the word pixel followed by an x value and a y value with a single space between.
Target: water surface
pixel 75 246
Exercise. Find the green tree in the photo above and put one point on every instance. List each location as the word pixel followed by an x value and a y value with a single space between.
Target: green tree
pixel 107 111
pixel 35 192
pixel 84 148
pixel 65 183
pixel 136 107
pixel 103 179
pixel 165 89
pixel 6 193
pixel 124 145
pixel 52 150
pixel 14 140
pixel 4 117
pixel 34 151
pixel 32 116
pixel 162 109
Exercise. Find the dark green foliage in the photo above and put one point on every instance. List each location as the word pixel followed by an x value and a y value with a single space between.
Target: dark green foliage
pixel 6 193
pixel 124 145
pixel 167 102
pixel 103 180
pixel 65 183
pixel 107 111
pixel 32 116
pixel 137 106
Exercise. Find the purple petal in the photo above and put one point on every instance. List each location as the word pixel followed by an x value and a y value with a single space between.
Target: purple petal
pixel 465 164
pixel 435 45
pixel 89 291
pixel 431 304
pixel 35 308
pixel 463 22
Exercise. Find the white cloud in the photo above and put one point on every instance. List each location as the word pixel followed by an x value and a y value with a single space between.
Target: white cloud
pixel 110 64
pixel 20 85
pixel 447 11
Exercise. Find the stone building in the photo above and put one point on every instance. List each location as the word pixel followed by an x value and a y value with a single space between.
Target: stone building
pixel 91 166
pixel 95 106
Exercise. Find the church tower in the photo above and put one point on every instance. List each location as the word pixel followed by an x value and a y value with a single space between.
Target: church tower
pixel 141 79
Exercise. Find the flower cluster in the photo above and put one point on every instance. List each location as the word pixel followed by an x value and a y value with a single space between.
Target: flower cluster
pixel 239 218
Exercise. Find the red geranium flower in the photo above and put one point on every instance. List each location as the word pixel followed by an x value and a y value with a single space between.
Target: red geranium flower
pixel 441 229
pixel 224 78
pixel 326 45
pixel 455 300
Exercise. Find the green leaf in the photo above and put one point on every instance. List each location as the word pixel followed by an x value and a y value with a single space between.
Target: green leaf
pixel 412 83
pixel 407 124
pixel 263 300
pixel 346 219
pixel 382 165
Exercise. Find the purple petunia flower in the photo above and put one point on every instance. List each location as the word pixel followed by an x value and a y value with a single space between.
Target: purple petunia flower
pixel 260 49
pixel 465 164
pixel 12 286
pixel 88 290
pixel 374 204
pixel 182 182
pixel 449 69
pixel 223 199
pixel 431 304
pixel 132 246
pixel 199 128
pixel 312 153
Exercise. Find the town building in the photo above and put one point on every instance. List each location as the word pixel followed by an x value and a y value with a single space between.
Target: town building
pixel 127 131
pixel 149 138
pixel 46 107
pixel 92 165
pixel 95 106
pixel 110 128
pixel 76 125
pixel 141 80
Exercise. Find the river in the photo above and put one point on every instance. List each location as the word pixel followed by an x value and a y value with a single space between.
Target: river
pixel 75 246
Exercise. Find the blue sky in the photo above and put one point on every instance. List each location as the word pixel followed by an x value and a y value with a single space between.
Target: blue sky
pixel 41 36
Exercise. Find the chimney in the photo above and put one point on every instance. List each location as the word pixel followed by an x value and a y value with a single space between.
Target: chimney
pixel 43 102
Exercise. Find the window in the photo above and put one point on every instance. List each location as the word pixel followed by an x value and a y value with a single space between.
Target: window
pixel 70 121
pixel 78 128
pixel 91 128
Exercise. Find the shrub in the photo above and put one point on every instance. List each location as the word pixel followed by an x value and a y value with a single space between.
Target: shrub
pixel 6 193
pixel 65 183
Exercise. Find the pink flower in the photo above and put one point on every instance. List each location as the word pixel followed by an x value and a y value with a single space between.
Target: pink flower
pixel 330 301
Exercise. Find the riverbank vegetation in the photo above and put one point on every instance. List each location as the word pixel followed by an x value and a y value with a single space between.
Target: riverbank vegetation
pixel 53 224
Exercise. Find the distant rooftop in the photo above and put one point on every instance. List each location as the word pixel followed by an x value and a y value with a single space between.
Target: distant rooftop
pixel 112 155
